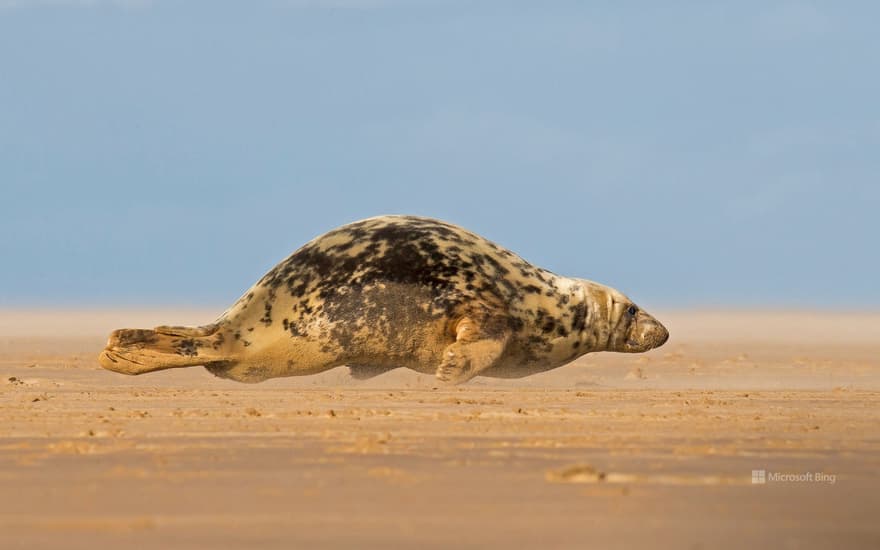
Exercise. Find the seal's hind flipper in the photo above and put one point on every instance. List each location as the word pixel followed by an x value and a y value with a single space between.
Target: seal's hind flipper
pixel 478 345
pixel 136 351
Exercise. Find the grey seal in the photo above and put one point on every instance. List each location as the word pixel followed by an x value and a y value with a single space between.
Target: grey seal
pixel 398 291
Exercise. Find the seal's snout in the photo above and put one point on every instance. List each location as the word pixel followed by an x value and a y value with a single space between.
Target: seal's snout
pixel 651 332
pixel 643 333
pixel 664 336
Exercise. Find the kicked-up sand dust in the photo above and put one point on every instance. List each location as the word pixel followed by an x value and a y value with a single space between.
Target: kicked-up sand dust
pixel 663 449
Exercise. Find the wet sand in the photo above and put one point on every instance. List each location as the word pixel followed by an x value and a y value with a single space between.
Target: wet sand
pixel 611 451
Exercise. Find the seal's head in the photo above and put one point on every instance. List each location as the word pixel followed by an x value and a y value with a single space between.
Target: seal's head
pixel 625 327
pixel 635 331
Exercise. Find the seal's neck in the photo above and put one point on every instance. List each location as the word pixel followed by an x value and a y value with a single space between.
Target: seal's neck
pixel 586 316
pixel 597 303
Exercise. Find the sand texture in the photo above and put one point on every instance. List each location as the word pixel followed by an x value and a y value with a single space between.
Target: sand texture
pixel 612 451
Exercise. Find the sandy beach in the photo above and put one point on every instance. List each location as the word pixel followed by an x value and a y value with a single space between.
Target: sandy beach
pixel 666 449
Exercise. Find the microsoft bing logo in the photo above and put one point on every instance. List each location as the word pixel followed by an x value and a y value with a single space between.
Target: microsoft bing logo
pixel 759 476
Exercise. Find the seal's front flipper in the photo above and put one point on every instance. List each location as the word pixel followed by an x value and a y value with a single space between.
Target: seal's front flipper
pixel 136 351
pixel 477 347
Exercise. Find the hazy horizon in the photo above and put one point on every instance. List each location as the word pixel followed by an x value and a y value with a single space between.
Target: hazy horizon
pixel 170 153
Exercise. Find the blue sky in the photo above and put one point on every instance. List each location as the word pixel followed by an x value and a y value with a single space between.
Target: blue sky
pixel 688 153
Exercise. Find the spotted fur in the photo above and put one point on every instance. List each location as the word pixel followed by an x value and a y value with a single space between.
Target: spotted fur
pixel 403 291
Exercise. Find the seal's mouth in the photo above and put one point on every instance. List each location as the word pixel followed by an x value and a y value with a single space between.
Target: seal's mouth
pixel 633 346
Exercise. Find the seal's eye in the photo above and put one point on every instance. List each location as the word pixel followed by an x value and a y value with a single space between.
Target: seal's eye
pixel 632 310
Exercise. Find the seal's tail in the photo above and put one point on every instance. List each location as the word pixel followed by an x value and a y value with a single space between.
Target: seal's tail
pixel 136 351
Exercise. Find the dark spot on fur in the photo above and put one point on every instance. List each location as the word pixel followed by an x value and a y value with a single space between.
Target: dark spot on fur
pixel 188 347
pixel 578 317
pixel 266 319
pixel 136 336
pixel 517 324
pixel 294 330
